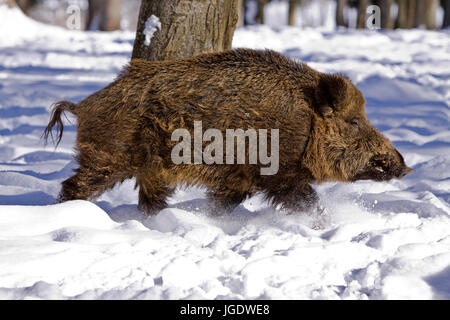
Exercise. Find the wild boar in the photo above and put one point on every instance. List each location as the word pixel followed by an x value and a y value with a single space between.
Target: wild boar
pixel 125 130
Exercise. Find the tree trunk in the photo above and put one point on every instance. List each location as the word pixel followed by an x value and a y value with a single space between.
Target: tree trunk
pixel 93 15
pixel 24 5
pixel 112 16
pixel 402 16
pixel 420 13
pixel 292 6
pixel 260 13
pixel 446 5
pixel 240 13
pixel 340 13
pixel 187 28
pixel 411 13
pixel 430 13
pixel 362 8
pixel 246 20
pixel 104 15
pixel 11 3
pixel 387 22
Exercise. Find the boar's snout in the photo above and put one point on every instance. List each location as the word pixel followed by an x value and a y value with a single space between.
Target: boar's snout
pixel 383 167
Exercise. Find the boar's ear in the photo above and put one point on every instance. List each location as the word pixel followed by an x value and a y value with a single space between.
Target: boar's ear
pixel 331 94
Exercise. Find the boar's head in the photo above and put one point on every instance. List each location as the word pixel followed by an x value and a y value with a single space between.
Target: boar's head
pixel 344 146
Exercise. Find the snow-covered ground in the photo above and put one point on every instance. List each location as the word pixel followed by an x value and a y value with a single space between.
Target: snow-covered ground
pixel 382 240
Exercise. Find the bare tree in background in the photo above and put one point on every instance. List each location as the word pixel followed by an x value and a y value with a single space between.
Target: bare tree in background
pixel 188 28
pixel 244 13
pixel 340 21
pixel 412 13
pixel 9 3
pixel 24 5
pixel 446 6
pixel 387 20
pixel 406 14
pixel 419 17
pixel 362 8
pixel 259 18
pixel 293 4
pixel 104 15
pixel 430 13
pixel 240 12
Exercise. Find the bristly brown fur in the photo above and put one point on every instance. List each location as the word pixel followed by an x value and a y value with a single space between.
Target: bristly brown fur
pixel 124 130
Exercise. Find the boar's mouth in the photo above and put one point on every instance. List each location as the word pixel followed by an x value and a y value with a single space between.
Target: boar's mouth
pixel 382 168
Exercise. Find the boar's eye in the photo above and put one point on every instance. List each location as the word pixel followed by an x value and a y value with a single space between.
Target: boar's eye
pixel 355 123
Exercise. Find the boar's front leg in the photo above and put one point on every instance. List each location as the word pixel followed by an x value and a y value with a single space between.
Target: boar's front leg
pixel 297 198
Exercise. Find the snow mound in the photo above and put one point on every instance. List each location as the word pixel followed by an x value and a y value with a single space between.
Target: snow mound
pixel 35 220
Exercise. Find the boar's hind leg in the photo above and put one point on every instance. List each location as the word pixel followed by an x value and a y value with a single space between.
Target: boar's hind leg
pixel 87 184
pixel 153 193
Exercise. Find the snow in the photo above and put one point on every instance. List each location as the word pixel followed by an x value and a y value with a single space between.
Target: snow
pixel 380 240
pixel 151 26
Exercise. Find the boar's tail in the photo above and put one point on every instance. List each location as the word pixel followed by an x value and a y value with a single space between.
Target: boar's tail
pixel 57 111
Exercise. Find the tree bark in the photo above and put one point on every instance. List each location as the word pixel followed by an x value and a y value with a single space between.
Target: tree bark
pixel 446 5
pixel 430 13
pixel 387 22
pixel 11 3
pixel 411 13
pixel 105 13
pixel 24 5
pixel 260 13
pixel 291 15
pixel 188 28
pixel 112 16
pixel 362 8
pixel 402 16
pixel 340 21
pixel 240 13
pixel 93 11
pixel 419 18
pixel 246 20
